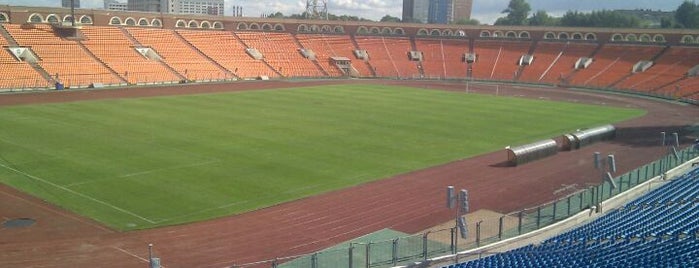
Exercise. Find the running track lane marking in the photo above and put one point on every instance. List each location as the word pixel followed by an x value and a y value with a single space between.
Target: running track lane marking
pixel 77 193
pixel 134 255
pixel 56 212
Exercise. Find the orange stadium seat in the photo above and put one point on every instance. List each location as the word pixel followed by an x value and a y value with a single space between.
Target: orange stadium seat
pixel 670 67
pixel 324 50
pixel 498 60
pixel 18 74
pixel 443 58
pixel 63 59
pixel 282 53
pixel 228 51
pixel 565 64
pixel 389 56
pixel 111 46
pixel 179 55
pixel 612 63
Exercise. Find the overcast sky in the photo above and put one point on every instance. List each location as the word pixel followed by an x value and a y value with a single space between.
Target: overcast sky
pixel 485 11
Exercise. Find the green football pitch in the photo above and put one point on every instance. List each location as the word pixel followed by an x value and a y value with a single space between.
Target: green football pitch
pixel 148 162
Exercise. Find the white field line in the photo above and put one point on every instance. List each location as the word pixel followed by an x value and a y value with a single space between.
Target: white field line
pixel 144 172
pixel 78 194
pixel 55 211
pixel 169 168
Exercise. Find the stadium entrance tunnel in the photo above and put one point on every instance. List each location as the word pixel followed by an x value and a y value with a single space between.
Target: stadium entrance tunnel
pixel 18 223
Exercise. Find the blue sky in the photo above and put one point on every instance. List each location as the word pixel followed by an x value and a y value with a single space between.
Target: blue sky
pixel 484 10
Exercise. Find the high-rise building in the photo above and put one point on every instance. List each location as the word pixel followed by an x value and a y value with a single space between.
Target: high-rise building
pixel 66 3
pixel 436 11
pixel 206 7
pixel 440 11
pixel 416 10
pixel 148 5
pixel 114 5
pixel 462 9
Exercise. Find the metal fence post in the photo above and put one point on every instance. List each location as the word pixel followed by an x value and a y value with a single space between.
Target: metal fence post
pixel 453 240
pixel 350 254
pixel 368 257
pixel 478 233
pixel 553 214
pixel 500 227
pixel 394 257
pixel 424 245
pixel 519 225
pixel 538 217
pixel 314 260
pixel 568 212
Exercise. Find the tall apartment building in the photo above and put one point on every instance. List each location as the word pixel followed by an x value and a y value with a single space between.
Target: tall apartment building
pixel 66 3
pixel 436 11
pixel 416 10
pixel 206 7
pixel 148 5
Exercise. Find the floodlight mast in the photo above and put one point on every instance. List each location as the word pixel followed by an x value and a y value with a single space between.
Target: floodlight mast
pixel 317 9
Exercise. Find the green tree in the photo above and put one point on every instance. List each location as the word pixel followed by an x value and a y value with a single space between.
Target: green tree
pixel 541 18
pixel 467 22
pixel 517 12
pixel 687 15
pixel 604 18
pixel 389 18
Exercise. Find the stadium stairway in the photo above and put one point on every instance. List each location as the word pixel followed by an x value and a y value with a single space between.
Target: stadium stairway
pixel 314 61
pixel 420 67
pixel 195 49
pixel 92 55
pixel 163 63
pixel 372 69
pixel 263 60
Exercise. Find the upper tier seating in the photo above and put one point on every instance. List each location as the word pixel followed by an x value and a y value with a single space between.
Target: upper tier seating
pixel 112 47
pixel 18 74
pixel 612 63
pixel 324 50
pixel 62 59
pixel 389 56
pixel 178 54
pixel 545 55
pixel 565 65
pixel 668 68
pixel 498 60
pixel 659 229
pixel 224 48
pixel 282 53
pixel 443 58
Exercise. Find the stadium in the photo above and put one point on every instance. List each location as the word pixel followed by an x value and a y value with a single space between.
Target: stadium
pixel 131 139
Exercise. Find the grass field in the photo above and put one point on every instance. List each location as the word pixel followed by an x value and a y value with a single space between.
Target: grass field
pixel 141 163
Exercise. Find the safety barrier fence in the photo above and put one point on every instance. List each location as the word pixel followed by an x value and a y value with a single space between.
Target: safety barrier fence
pixel 482 231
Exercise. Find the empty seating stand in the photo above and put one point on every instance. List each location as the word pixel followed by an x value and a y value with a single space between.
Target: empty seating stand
pixel 324 51
pixel 225 49
pixel 389 56
pixel 498 59
pixel 112 47
pixel 659 229
pixel 178 54
pixel 670 67
pixel 282 53
pixel 16 74
pixel 612 63
pixel 63 59
pixel 443 58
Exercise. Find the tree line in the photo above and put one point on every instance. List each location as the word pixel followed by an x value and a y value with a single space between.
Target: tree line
pixel 518 13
